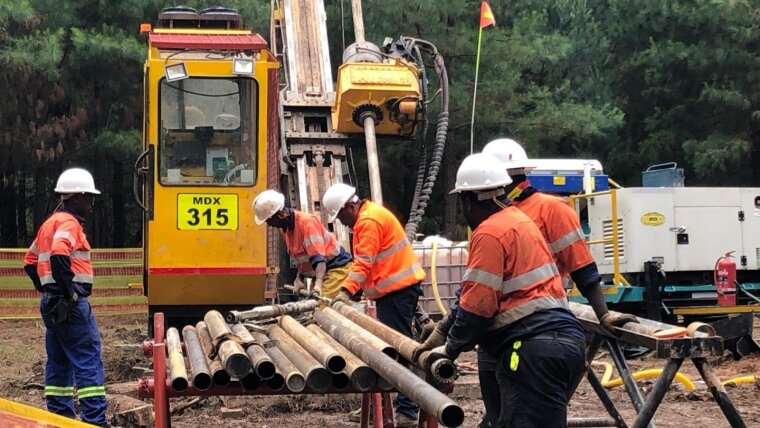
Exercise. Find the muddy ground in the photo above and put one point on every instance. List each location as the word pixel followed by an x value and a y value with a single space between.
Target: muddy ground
pixel 22 355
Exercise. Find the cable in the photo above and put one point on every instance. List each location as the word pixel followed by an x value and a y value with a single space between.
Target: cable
pixel 440 136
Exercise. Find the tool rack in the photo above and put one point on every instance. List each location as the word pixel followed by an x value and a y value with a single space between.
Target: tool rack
pixel 159 389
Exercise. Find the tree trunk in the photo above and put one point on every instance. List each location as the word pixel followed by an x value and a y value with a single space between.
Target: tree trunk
pixel 39 209
pixel 117 204
pixel 449 179
pixel 8 234
pixel 21 210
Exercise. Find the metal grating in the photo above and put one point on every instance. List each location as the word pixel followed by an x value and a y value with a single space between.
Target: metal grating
pixel 607 232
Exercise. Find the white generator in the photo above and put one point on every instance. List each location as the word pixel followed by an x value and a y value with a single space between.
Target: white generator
pixel 685 229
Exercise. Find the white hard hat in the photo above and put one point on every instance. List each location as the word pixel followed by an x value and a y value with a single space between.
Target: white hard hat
pixel 267 204
pixel 480 172
pixel 76 180
pixel 335 198
pixel 510 153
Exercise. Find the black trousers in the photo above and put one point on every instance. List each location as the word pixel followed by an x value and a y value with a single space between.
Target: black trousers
pixel 536 390
pixel 396 310
pixel 489 388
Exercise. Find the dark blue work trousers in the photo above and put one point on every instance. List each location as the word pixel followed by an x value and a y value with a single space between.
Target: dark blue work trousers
pixel 535 393
pixel 396 310
pixel 73 358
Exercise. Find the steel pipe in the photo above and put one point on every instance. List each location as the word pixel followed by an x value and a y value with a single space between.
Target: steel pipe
pixel 362 377
pixel 318 378
pixel 373 162
pixel 271 311
pixel 177 369
pixel 233 357
pixel 293 379
pixel 250 381
pixel 219 377
pixel 430 399
pixel 340 381
pixel 442 369
pixel 321 351
pixel 198 365
pixel 276 382
pixel 375 342
pixel 262 364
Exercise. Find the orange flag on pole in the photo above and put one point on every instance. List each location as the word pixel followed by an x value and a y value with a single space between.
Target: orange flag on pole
pixel 486 16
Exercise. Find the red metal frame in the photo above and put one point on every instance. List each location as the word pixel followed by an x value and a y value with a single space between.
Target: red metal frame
pixel 160 390
pixel 207 41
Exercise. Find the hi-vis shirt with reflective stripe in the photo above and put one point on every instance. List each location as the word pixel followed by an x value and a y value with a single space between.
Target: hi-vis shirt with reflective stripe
pixel 384 261
pixel 309 239
pixel 561 229
pixel 61 235
pixel 510 271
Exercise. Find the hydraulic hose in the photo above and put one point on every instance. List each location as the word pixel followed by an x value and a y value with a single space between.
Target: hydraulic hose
pixel 440 140
pixel 434 280
pixel 607 382
pixel 422 137
pixel 739 380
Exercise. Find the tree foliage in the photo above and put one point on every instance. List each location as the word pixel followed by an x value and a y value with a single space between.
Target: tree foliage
pixel 629 82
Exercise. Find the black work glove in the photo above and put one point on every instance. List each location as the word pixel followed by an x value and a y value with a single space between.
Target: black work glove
pixel 63 309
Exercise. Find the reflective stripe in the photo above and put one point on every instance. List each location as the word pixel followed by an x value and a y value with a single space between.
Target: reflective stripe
pixel 542 303
pixel 33 249
pixel 83 278
pixel 357 277
pixel 567 240
pixel 398 246
pixel 66 235
pixel 387 282
pixel 531 277
pixel 47 279
pixel 59 391
pixel 482 277
pixel 44 257
pixel 82 255
pixel 91 391
pixel 368 259
pixel 312 239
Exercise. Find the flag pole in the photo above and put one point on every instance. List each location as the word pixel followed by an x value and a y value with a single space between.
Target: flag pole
pixel 475 91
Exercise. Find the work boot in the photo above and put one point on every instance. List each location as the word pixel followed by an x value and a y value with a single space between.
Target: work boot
pixel 405 421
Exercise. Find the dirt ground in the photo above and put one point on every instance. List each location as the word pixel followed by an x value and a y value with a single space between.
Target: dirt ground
pixel 22 355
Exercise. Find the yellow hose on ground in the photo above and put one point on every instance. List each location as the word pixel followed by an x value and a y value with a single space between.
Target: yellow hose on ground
pixel 643 374
pixel 434 280
pixel 739 380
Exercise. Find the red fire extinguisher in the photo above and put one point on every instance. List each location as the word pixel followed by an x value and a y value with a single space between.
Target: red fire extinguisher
pixel 725 280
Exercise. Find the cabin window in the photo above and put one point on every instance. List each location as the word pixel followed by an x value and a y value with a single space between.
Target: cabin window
pixel 208 134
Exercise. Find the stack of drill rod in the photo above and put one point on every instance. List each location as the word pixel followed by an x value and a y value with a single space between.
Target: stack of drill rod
pixel 338 350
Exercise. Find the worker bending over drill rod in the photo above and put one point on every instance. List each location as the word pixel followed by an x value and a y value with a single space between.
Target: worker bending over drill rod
pixel 561 229
pixel 58 263
pixel 512 305
pixel 385 268
pixel 316 252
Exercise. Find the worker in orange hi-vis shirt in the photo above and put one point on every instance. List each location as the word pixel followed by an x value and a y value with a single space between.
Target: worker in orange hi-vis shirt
pixel 60 267
pixel 561 228
pixel 512 306
pixel 385 268
pixel 315 251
